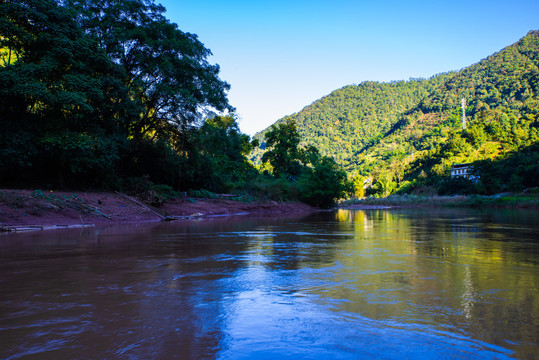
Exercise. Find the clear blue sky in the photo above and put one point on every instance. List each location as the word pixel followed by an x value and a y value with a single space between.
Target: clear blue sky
pixel 279 56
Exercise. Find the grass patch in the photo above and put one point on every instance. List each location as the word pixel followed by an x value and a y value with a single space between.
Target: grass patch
pixel 13 200
pixel 509 200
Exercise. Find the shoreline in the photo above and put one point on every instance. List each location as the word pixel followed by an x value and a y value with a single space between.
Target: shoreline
pixel 26 210
pixel 503 200
pixel 64 209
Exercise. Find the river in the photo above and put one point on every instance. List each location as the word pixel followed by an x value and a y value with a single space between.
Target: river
pixel 346 284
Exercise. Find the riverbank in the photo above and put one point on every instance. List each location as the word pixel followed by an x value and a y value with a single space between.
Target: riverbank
pixel 36 207
pixel 529 199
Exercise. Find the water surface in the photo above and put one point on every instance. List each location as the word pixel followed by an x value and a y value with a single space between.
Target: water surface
pixel 451 284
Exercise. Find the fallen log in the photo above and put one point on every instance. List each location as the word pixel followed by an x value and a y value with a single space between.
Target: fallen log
pixel 22 228
pixel 184 217
pixel 141 204
pixel 175 217
pixel 228 195
pixel 91 208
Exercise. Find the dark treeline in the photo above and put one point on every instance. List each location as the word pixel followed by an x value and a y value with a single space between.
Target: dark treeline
pixel 110 94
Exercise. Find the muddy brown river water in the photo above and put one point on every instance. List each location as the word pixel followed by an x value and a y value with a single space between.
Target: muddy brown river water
pixel 347 284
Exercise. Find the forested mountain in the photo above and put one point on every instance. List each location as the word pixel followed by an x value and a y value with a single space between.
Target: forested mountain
pixel 390 132
pixel 357 116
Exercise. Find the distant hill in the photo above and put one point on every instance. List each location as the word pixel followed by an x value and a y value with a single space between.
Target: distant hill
pixel 372 129
pixel 354 117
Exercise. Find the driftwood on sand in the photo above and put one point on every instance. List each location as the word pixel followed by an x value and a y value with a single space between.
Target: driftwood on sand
pixel 162 217
pixel 42 227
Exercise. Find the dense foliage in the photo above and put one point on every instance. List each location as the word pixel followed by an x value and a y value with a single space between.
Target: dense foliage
pixel 111 94
pixel 94 92
pixel 316 179
pixel 62 100
pixel 352 119
pixel 404 136
pixel 502 127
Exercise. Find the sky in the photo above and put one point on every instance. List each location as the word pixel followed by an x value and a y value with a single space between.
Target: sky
pixel 282 55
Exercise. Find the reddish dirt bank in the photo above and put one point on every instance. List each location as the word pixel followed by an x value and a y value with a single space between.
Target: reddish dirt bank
pixel 27 207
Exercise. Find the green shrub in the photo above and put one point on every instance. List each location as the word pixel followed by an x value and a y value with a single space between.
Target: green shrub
pixel 165 191
pixel 405 187
pixel 324 184
pixel 458 185
pixel 202 193
pixel 266 187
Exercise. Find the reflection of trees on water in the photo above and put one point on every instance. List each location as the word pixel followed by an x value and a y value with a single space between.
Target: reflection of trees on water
pixel 189 285
pixel 474 270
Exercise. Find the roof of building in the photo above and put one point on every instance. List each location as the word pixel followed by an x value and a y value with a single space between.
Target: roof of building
pixel 457 166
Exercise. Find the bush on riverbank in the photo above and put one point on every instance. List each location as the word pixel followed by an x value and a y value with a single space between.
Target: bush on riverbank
pixel 301 171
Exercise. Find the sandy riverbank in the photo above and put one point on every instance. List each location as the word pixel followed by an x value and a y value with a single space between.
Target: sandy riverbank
pixel 34 207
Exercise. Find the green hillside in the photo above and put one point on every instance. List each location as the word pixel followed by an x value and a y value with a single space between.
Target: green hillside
pixel 407 134
pixel 349 120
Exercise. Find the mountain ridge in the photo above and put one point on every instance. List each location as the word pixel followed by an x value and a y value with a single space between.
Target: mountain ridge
pixel 371 126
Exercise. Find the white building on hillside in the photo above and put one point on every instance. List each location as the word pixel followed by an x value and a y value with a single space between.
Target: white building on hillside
pixel 462 170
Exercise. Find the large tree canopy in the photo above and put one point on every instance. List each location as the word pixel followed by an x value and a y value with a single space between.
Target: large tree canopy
pixel 57 72
pixel 62 101
pixel 166 69
pixel 284 153
pixel 89 85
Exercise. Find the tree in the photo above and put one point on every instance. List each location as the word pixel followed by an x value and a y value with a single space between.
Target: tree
pixel 284 154
pixel 319 179
pixel 165 68
pixel 61 98
pixel 220 151
pixel 358 182
pixel 324 183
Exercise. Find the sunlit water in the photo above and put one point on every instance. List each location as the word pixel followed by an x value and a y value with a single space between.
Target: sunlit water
pixel 406 284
